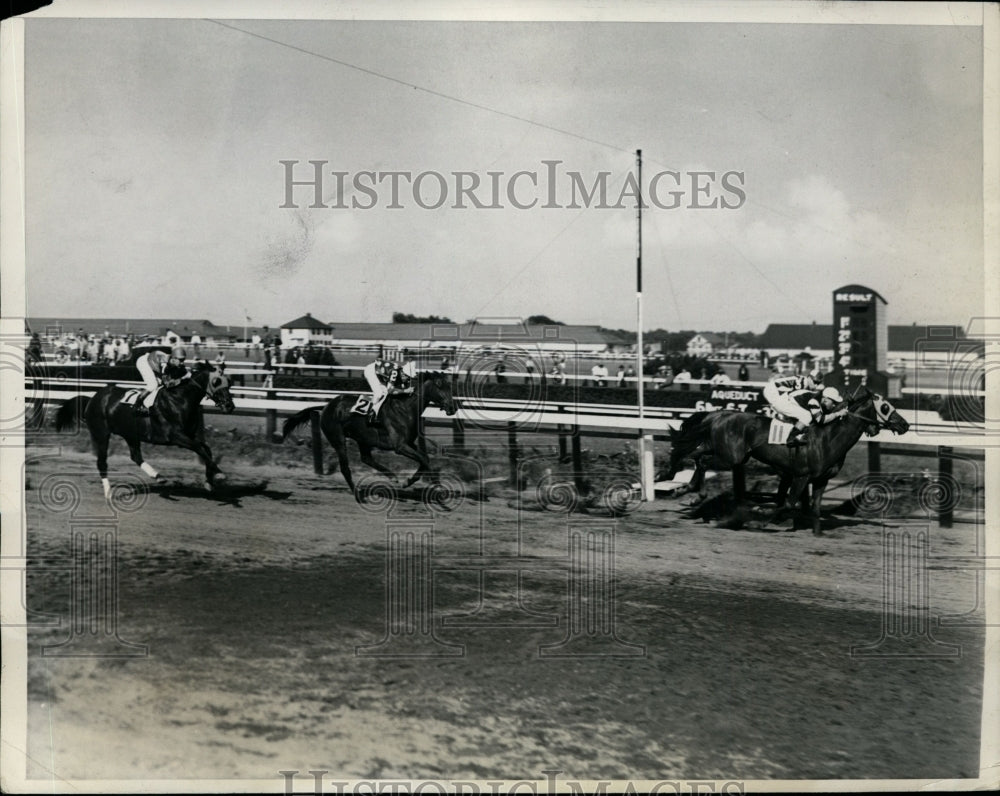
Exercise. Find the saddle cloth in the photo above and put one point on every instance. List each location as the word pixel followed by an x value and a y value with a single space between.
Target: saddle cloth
pixel 130 396
pixel 362 405
pixel 779 431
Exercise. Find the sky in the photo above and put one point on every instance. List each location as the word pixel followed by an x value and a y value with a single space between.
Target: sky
pixel 155 183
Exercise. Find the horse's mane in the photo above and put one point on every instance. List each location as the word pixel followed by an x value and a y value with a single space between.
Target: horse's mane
pixel 433 375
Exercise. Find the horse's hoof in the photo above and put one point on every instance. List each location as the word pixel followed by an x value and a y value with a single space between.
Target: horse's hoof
pixel 220 477
pixel 208 485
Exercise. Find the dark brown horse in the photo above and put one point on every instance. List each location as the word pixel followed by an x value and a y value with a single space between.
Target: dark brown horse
pixel 174 419
pixel 399 424
pixel 732 438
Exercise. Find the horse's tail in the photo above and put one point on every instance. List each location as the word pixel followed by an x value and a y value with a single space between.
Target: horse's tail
pixel 297 420
pixel 70 410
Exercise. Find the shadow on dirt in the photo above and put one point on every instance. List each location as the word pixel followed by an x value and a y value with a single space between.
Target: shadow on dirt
pixel 224 492
pixel 754 515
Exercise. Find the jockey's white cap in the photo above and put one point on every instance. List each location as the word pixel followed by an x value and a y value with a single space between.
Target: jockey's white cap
pixel 410 368
pixel 832 394
pixel 178 352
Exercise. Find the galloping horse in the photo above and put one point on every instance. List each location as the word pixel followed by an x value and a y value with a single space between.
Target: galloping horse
pixel 399 416
pixel 733 437
pixel 174 419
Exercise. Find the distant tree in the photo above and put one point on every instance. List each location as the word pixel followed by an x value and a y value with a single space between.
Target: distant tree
pixel 405 317
pixel 543 320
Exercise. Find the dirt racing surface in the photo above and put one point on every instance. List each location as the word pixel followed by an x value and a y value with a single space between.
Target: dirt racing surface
pixel 486 636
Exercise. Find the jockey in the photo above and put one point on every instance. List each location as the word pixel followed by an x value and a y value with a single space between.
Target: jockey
pixel 794 396
pixel 387 377
pixel 159 370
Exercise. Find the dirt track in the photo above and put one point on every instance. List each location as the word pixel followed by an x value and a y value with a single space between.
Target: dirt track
pixel 252 609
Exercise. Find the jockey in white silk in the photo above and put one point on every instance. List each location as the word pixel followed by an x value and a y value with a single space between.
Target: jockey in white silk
pixel 386 377
pixel 159 369
pixel 796 397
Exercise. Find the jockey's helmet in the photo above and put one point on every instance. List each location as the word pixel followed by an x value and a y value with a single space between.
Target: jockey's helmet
pixel 410 369
pixel 832 394
pixel 178 353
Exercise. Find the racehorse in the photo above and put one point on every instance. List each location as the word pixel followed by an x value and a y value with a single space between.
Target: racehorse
pixel 732 438
pixel 399 423
pixel 174 419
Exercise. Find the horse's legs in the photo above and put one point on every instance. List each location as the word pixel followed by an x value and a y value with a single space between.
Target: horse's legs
pixel 101 439
pixel 135 452
pixel 335 436
pixel 817 501
pixel 796 485
pixel 204 453
pixel 367 458
pixel 423 463
pixel 739 483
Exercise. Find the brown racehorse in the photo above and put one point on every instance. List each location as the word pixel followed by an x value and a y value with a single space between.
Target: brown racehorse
pixel 732 438
pixel 174 419
pixel 399 424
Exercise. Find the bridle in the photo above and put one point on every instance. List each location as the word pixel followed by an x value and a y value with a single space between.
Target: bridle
pixel 213 390
pixel 877 421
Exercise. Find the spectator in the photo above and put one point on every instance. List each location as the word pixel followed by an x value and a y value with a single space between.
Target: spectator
pixel 683 376
pixel 35 348
pixel 529 367
pixel 267 357
pixel 220 360
pixel 744 373
pixel 620 376
pixel 600 374
pixel 500 369
pixel 720 378
pixel 445 364
pixel 327 357
pixel 196 344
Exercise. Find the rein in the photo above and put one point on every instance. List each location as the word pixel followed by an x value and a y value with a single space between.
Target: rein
pixel 876 421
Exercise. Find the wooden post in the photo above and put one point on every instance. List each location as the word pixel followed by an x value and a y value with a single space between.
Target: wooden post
pixel 512 452
pixel 874 457
pixel 271 419
pixel 945 463
pixel 317 444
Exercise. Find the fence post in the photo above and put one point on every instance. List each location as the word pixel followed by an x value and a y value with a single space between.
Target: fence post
pixel 945 463
pixel 512 451
pixel 271 419
pixel 578 461
pixel 874 457
pixel 317 444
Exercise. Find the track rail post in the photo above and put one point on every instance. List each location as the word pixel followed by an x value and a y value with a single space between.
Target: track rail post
pixel 945 463
pixel 317 443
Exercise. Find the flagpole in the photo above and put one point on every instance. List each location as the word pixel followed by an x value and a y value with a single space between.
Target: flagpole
pixel 646 461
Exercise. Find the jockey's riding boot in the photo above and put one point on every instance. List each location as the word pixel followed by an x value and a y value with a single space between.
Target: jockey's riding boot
pixel 796 437
pixel 373 420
